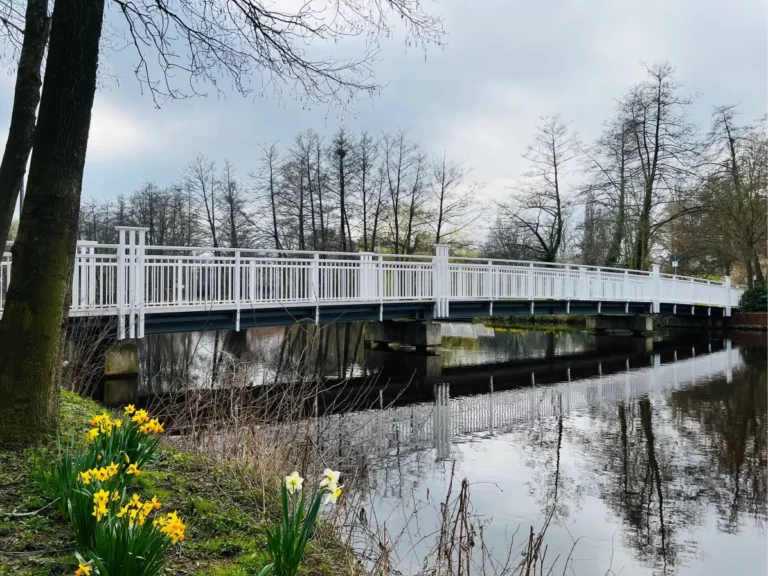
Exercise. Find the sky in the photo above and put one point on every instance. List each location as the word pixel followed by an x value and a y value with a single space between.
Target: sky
pixel 505 64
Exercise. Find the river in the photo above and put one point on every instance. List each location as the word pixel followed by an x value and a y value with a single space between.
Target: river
pixel 650 453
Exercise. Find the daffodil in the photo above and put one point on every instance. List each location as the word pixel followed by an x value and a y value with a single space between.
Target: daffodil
pixel 133 469
pixel 293 482
pixel 94 432
pixel 330 477
pixel 332 495
pixel 85 477
pixel 130 409
pixel 83 570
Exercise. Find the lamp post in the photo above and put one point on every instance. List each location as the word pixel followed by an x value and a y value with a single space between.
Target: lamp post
pixel 675 262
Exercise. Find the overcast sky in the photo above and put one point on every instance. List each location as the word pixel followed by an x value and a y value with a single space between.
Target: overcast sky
pixel 506 63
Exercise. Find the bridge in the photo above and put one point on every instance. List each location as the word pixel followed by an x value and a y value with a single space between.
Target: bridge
pixel 160 289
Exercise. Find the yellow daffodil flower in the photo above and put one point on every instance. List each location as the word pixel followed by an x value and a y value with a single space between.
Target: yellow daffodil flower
pixel 133 469
pixel 93 434
pixel 130 409
pixel 83 570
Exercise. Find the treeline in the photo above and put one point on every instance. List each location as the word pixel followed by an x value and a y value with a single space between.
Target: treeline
pixel 351 192
pixel 653 186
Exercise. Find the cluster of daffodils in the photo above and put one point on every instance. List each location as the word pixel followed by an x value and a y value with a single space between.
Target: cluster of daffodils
pixel 119 445
pixel 101 474
pixel 137 511
pixel 329 484
pixel 171 526
pixel 100 501
pixel 141 418
pixel 103 424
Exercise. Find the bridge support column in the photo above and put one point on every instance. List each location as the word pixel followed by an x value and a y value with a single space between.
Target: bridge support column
pixel 419 334
pixel 121 374
pixel 634 324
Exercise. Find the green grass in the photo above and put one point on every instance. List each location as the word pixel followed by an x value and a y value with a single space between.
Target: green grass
pixel 225 507
pixel 544 323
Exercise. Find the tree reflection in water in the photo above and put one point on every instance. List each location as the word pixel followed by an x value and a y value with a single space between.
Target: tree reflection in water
pixel 661 465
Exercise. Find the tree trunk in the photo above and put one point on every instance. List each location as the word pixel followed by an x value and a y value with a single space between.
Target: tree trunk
pixel 25 100
pixel 35 315
pixel 759 278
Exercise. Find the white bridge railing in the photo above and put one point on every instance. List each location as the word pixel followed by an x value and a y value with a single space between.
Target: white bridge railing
pixel 131 279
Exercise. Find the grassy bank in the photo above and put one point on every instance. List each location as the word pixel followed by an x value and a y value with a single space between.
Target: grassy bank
pixel 227 508
pixel 557 323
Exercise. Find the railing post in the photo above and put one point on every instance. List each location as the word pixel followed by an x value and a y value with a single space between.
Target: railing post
pixel 314 288
pixel 179 267
pixel 727 286
pixel 531 285
pixel 441 280
pixel 656 288
pixel 121 284
pixel 583 284
pixel 367 277
pixel 130 287
pixel 236 290
pixel 91 276
pixel 627 286
pixel 140 284
pixel 489 283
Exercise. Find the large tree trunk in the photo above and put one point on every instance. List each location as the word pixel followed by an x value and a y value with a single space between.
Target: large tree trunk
pixel 26 97
pixel 33 326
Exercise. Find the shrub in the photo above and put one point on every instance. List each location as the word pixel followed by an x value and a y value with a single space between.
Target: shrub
pixel 89 482
pixel 754 299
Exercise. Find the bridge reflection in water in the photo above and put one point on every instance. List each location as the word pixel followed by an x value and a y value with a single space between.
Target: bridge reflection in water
pixel 378 433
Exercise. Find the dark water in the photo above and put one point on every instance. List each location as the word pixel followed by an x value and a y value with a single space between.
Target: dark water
pixel 652 452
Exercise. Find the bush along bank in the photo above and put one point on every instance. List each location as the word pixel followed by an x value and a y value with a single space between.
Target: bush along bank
pixel 115 500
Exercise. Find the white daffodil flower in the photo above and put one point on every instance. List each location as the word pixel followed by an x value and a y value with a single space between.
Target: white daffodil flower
pixel 330 477
pixel 293 482
pixel 332 495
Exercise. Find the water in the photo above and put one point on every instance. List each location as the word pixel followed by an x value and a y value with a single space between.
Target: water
pixel 652 452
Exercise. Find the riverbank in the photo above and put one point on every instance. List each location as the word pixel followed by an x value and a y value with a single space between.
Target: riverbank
pixel 227 508
pixel 553 323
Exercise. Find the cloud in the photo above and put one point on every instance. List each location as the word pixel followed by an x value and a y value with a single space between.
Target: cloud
pixel 122 134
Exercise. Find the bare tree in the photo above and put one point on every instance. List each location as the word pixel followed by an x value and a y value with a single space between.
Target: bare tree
pixel 203 184
pixel 541 209
pixel 455 201
pixel 666 149
pixel 366 155
pixel 738 188
pixel 612 169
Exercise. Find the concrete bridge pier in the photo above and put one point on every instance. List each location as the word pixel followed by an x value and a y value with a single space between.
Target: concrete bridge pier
pixel 401 366
pixel 635 324
pixel 419 334
pixel 121 374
